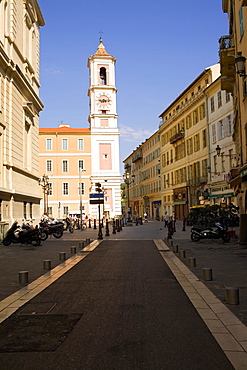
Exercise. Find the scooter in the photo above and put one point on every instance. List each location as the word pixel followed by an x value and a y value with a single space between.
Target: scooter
pixel 198 233
pixel 18 235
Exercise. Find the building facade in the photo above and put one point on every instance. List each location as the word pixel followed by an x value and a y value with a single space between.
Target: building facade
pixel 142 171
pixel 20 23
pixel 184 146
pixel 76 159
pixel 233 53
pixel 178 167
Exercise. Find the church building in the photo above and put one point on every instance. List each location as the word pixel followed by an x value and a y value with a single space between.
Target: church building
pixel 73 160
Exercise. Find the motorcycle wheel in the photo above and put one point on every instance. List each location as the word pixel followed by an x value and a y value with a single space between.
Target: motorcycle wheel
pixel 58 234
pixel 6 242
pixel 226 237
pixel 194 237
pixel 71 230
pixel 43 235
pixel 36 242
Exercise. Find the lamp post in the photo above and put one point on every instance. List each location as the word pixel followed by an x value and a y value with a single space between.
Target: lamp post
pixel 80 192
pixel 128 181
pixel 43 182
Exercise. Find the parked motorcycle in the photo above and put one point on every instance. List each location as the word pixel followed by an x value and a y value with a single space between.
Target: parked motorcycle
pixel 198 233
pixel 22 235
pixel 55 229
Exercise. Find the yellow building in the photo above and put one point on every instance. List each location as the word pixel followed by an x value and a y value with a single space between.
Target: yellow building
pixel 143 171
pixel 20 105
pixel 184 146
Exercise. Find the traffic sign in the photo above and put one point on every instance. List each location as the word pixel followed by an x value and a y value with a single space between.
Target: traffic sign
pixel 96 195
pixel 96 201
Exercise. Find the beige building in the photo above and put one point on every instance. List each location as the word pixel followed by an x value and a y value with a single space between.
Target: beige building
pixel 65 158
pixel 184 146
pixel 20 105
pixel 143 171
pixel 233 53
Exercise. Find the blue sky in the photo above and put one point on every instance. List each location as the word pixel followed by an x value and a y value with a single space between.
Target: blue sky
pixel 161 46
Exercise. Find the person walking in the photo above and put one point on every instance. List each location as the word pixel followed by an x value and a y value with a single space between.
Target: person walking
pixel 166 218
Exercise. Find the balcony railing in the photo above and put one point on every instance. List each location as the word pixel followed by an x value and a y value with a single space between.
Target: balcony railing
pixel 176 137
pixel 227 62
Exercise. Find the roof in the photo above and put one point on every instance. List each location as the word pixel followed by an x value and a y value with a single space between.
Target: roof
pixel 101 48
pixel 63 129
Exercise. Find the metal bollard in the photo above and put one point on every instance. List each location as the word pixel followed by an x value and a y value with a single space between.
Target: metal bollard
pixel 191 262
pixel 62 256
pixel 73 250
pixel 23 277
pixel 232 295
pixel 175 248
pixel 181 254
pixel 207 274
pixel 47 264
pixel 81 245
pixel 87 241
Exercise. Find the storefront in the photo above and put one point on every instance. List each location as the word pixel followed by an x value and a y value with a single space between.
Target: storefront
pixel 156 209
pixel 180 203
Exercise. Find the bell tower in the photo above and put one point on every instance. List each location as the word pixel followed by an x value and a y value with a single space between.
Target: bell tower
pixel 104 128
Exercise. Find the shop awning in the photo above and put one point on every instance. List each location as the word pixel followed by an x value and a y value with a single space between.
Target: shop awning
pixel 180 202
pixel 221 195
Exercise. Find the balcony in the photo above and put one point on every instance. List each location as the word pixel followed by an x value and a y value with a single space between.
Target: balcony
pixel 227 62
pixel 127 165
pixel 176 137
pixel 136 157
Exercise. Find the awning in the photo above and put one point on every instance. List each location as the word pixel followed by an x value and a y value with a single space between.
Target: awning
pixel 221 195
pixel 157 202
pixel 180 202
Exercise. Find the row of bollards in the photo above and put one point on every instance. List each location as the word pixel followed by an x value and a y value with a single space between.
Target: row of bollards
pixel 231 293
pixel 23 275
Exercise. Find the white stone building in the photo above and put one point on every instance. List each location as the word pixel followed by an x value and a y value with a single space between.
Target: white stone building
pixel 20 105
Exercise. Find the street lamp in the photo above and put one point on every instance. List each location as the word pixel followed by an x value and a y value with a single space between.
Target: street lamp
pixel 80 191
pixel 43 182
pixel 128 180
pixel 240 64
pixel 218 151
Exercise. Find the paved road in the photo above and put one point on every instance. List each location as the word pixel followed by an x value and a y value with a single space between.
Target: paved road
pixel 120 308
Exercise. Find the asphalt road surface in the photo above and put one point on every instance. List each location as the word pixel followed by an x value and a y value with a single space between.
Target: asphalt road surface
pixel 119 308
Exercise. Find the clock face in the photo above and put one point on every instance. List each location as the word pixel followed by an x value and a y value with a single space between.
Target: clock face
pixel 103 101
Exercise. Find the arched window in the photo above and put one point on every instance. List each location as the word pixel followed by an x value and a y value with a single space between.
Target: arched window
pixel 102 75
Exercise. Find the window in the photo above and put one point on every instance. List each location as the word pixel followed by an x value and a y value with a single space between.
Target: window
pixel 241 21
pixel 49 165
pixel 49 190
pixel 202 111
pixel 80 164
pixel 196 143
pixel 81 188
pixel 65 210
pixel 221 130
pixel 65 188
pixel 103 75
pixel 64 144
pixel 229 124
pixel 49 210
pixel 65 165
pixel 195 116
pixel 212 104
pixel 219 99
pixel 213 133
pixel 204 138
pixel 48 144
pixel 80 144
